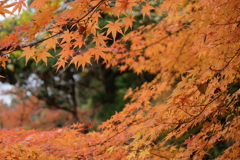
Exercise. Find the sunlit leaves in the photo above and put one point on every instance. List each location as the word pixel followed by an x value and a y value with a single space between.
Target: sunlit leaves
pixel 128 21
pixel 143 153
pixel 19 5
pixel 110 149
pixel 124 5
pixel 50 43
pixel 42 54
pixel 146 9
pixel 79 42
pixel 81 60
pixel 66 37
pixel 4 8
pixel 28 52
pixel 70 34
pixel 184 112
pixel 3 60
pixel 38 4
pixel 99 52
pixel 24 27
pixel 100 39
pixel 60 63
pixel 113 28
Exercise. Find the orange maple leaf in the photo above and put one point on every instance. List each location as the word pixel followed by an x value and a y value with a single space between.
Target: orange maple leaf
pixel 146 9
pixel 3 61
pixel 98 52
pixel 18 6
pixel 28 52
pixel 24 27
pixel 123 68
pixel 128 22
pixel 66 54
pixel 66 37
pixel 113 27
pixel 78 126
pixel 79 60
pixel 187 141
pixel 60 63
pixel 79 42
pixel 100 39
pixel 42 54
pixel 39 4
pixel 50 43
pixel 3 8
pixel 123 5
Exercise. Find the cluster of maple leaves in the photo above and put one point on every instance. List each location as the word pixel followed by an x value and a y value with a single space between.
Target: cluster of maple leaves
pixel 197 41
pixel 68 30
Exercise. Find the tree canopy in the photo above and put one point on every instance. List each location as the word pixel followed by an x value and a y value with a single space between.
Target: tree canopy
pixel 190 107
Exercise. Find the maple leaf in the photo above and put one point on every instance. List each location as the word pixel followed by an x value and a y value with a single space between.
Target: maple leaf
pixel 28 52
pixel 3 8
pixel 123 68
pixel 143 153
pixel 66 37
pixel 50 43
pixel 81 60
pixel 24 27
pixel 98 52
pixel 100 39
pixel 132 155
pixel 77 125
pixel 146 9
pixel 18 6
pixel 128 22
pixel 110 149
pixel 187 141
pixel 60 63
pixel 79 42
pixel 123 5
pixel 3 60
pixel 42 54
pixel 92 28
pixel 66 54
pixel 39 4
pixel 113 27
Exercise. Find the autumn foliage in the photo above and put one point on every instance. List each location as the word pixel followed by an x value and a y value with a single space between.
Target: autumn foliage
pixel 194 51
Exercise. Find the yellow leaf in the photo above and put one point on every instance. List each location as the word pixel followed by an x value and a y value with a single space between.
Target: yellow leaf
pixel 143 153
pixel 110 149
pixel 131 155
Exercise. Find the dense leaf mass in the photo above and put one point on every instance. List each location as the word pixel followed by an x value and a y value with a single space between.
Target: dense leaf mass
pixel 195 44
